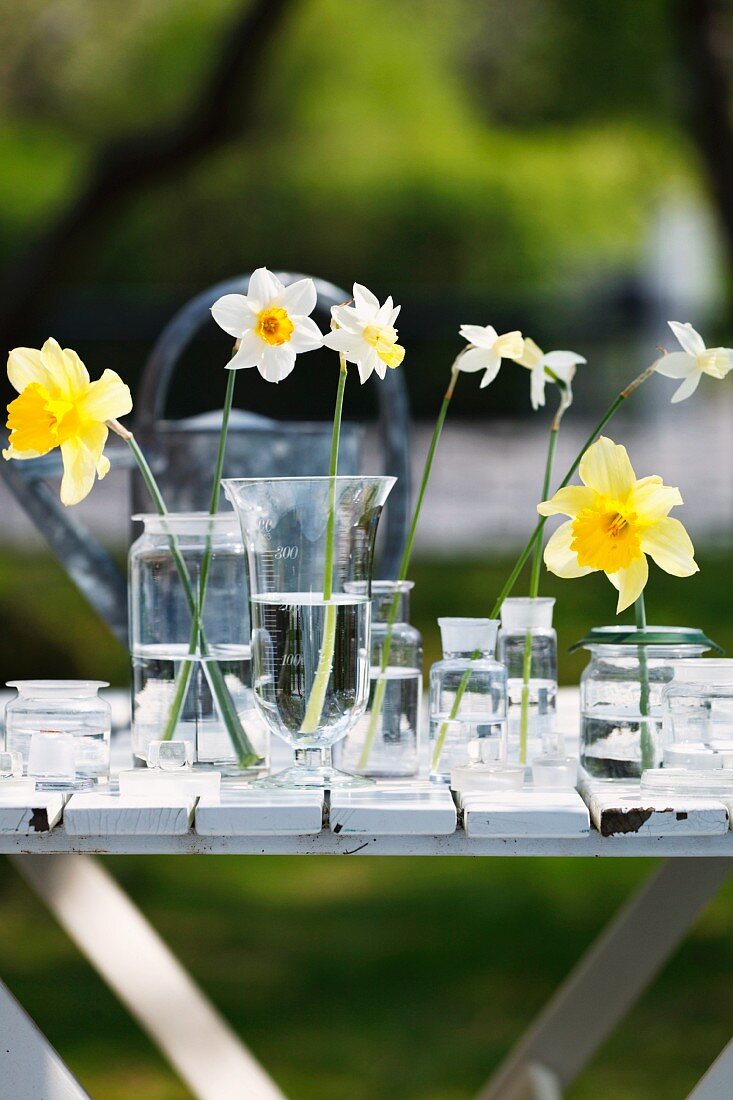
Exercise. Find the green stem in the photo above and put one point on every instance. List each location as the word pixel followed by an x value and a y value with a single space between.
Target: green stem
pixel 317 697
pixel 381 688
pixel 645 726
pixel 534 590
pixel 536 535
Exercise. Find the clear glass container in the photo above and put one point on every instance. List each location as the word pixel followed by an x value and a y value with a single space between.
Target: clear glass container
pixel 164 664
pixel 481 682
pixel 621 696
pixel 384 742
pixel 68 714
pixel 528 648
pixel 310 547
pixel 697 715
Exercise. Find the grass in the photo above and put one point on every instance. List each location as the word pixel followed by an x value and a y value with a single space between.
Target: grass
pixel 371 978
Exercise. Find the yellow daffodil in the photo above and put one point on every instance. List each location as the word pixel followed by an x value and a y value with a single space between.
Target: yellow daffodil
pixel 365 333
pixel 561 364
pixel 271 322
pixel 487 349
pixel 693 361
pixel 59 406
pixel 616 520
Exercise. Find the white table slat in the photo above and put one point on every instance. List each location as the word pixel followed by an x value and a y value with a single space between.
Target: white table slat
pixel 525 813
pixel 183 783
pixel 260 812
pixel 110 814
pixel 620 809
pixel 34 813
pixel 398 810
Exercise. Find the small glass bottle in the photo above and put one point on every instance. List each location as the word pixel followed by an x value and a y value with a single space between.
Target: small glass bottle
pixel 526 619
pixel 65 717
pixel 482 683
pixel 386 746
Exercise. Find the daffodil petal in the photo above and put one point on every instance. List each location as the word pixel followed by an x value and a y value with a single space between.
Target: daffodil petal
pixel 652 500
pixel 668 543
pixel 491 370
pixel 630 582
pixel 248 353
pixel 687 388
pixel 233 313
pixel 531 354
pixel 716 362
pixel 264 289
pixel 537 386
pixel 81 456
pixel 25 366
pixel 364 300
pixel 606 467
pixel 299 298
pixel 276 363
pixel 562 360
pixel 76 373
pixel 475 359
pixel 107 398
pixel 341 340
pixel 560 559
pixel 569 501
pixel 480 336
pixel 676 365
pixel 65 369
pixel 306 336
pixel 689 340
pixel 510 345
pixel 103 467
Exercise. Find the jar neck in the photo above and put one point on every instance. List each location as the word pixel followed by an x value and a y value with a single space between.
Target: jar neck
pixel 37 690
pixel 468 655
pixel 391 601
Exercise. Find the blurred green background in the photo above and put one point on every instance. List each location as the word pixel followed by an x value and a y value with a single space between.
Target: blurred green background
pixel 554 165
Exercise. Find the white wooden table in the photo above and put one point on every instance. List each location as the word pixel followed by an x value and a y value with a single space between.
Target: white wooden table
pixel 695 840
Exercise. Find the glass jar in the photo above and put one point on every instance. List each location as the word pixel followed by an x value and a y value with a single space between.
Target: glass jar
pixel 384 742
pixel 481 682
pixel 528 649
pixel 206 679
pixel 64 715
pixel 621 695
pixel 697 715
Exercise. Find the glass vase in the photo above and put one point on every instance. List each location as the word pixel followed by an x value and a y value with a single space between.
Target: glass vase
pixel 481 714
pixel 621 696
pixel 310 547
pixel 697 716
pixel 384 742
pixel 528 649
pixel 209 685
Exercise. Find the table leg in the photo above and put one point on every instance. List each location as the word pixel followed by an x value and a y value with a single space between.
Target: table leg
pixel 141 970
pixel 30 1068
pixel 610 977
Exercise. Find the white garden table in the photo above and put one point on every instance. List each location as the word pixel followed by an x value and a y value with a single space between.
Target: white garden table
pixel 694 839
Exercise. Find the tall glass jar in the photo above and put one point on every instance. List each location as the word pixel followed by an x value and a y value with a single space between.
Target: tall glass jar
pixel 481 683
pixel 68 719
pixel 209 683
pixel 697 715
pixel 384 742
pixel 528 649
pixel 621 695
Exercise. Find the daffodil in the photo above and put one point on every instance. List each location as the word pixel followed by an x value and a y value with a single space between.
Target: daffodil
pixel 271 322
pixel 365 334
pixel 487 349
pixel 693 361
pixel 551 365
pixel 59 406
pixel 615 521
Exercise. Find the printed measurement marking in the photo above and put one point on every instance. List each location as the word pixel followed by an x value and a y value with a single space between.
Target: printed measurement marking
pixel 265 525
pixel 294 659
pixel 286 553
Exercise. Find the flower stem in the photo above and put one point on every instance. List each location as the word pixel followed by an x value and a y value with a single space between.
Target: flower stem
pixel 317 697
pixel 381 688
pixel 534 590
pixel 536 535
pixel 646 739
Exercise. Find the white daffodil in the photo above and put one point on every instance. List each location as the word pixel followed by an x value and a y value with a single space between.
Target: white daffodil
pixel 487 350
pixel 543 365
pixel 271 322
pixel 693 361
pixel 366 334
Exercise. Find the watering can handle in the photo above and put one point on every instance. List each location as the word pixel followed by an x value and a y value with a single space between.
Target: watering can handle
pixel 394 415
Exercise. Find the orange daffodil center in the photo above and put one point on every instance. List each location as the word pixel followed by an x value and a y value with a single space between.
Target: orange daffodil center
pixel 58 406
pixel 271 323
pixel 616 520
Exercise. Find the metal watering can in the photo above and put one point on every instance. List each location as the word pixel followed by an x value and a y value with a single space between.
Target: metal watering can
pixel 182 454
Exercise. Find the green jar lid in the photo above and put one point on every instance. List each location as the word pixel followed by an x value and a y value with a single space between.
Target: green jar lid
pixel 650 636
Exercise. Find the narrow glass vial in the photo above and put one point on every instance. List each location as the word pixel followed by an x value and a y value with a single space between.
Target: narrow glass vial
pixel 528 622
pixel 385 741
pixel 481 682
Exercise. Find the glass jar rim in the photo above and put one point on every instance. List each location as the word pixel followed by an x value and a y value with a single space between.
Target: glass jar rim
pixel 712 670
pixel 325 478
pixel 651 637
pixel 68 687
